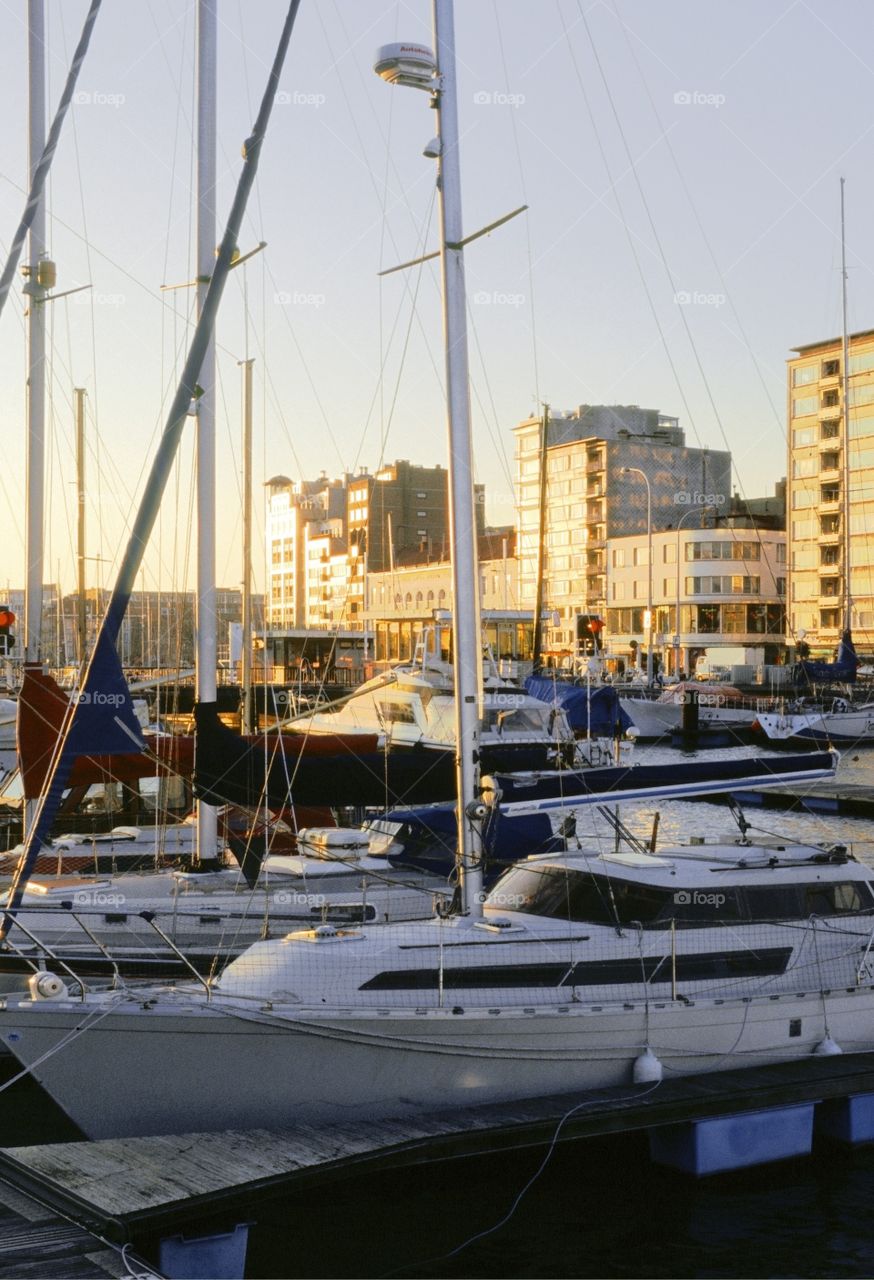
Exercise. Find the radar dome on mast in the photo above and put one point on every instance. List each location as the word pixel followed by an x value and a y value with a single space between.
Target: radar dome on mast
pixel 413 65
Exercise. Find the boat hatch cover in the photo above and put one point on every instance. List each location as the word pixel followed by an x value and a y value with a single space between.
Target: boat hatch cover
pixel 627 858
pixel 324 933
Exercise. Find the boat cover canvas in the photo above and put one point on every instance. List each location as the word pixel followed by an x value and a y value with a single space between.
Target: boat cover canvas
pixel 575 701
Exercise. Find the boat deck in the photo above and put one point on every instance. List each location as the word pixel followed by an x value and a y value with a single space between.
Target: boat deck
pixel 128 1187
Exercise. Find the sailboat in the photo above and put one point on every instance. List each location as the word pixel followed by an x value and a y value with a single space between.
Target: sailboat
pixel 577 971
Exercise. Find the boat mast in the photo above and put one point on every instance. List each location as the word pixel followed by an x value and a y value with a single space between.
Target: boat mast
pixel 36 351
pixel 207 24
pixel 537 647
pixel 246 665
pixel 845 370
pixel 103 665
pixel 467 656
pixel 81 615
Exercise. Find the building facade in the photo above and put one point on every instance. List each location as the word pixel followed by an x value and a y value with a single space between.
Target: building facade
pixel 591 498
pixel 825 517
pixel 718 592
pixel 404 602
pixel 325 537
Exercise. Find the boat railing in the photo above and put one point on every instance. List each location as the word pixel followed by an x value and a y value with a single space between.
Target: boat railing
pixel 45 952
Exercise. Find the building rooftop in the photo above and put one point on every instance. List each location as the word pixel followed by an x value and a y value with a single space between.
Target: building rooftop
pixel 830 342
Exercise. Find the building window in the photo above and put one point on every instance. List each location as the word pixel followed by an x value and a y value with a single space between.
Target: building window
pixel 804 405
pixel 860 395
pixel 862 363
pixel 669 553
pixel 619 558
pixel 831 368
pixel 804 376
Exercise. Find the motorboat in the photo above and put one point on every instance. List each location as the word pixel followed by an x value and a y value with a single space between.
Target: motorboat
pixel 412 705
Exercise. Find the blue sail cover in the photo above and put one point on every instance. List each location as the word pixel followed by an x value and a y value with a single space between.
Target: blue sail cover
pixel 575 700
pixel 105 719
pixel 843 669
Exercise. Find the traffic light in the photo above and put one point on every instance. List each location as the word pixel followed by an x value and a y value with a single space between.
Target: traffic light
pixel 7 639
pixel 589 628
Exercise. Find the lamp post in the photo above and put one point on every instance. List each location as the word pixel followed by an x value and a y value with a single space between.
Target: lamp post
pixel 626 471
pixel 684 516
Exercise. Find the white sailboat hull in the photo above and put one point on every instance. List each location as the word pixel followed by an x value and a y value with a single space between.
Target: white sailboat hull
pixel 829 726
pixel 170 1068
pixel 654 719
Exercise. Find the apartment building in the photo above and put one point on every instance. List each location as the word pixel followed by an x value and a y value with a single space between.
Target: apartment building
pixel 831 492
pixel 326 536
pixel 300 512
pixel 717 587
pixel 609 469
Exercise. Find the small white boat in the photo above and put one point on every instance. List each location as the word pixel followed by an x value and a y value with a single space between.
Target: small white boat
pixel 719 707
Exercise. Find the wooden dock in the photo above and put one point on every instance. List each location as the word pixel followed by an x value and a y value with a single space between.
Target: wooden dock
pixel 128 1188
pixel 36 1244
pixel 851 799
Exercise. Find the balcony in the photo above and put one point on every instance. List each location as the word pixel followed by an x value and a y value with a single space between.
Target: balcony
pixel 829 412
pixel 829 466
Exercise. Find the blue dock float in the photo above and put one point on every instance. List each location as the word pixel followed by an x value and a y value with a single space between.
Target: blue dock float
pixel 220 1256
pixel 849 1120
pixel 725 1143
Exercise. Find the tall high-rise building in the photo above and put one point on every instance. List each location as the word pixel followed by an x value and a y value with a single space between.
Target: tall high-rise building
pixel 589 498
pixel 824 517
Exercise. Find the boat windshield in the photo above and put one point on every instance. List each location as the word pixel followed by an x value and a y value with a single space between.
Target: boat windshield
pixel 518 719
pixel 584 896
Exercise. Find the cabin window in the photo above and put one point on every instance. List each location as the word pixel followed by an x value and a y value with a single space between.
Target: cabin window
pixel 711 966
pixel 837 899
pixel 397 712
pixel 116 917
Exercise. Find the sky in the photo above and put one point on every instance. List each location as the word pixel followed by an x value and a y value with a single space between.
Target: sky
pixel 680 162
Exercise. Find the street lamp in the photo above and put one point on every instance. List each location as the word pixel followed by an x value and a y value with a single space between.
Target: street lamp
pixel 690 512
pixel 627 471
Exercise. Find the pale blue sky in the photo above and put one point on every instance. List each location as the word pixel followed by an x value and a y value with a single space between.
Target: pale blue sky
pixel 737 118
